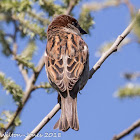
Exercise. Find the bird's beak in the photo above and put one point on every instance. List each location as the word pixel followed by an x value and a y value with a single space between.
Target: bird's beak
pixel 82 31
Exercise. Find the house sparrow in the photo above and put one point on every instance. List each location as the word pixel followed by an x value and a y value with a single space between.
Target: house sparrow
pixel 67 66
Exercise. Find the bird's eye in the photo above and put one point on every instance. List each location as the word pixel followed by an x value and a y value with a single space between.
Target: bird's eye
pixel 74 23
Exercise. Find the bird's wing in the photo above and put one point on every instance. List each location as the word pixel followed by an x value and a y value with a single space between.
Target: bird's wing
pixel 65 60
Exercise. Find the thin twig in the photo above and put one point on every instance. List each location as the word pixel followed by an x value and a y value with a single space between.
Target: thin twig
pixel 92 71
pixel 127 131
pixel 15 47
pixel 28 90
pixel 9 35
pixel 12 120
pixel 14 53
pixel 43 122
pixel 70 7
pixel 130 6
pixel 20 66
pixel 131 76
pixel 39 17
pixel 45 86
pixel 97 6
pixel 33 79
pixel 137 136
pixel 24 73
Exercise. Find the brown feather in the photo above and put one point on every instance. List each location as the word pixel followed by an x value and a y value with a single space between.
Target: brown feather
pixel 67 67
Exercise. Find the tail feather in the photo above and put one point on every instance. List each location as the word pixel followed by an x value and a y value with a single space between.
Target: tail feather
pixel 75 116
pixel 68 118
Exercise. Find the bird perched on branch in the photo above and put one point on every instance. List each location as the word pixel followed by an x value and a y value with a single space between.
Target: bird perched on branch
pixel 67 66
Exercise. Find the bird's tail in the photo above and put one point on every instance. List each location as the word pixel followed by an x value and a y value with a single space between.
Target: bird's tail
pixel 69 117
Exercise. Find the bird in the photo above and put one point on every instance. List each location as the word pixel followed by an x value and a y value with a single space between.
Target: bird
pixel 67 66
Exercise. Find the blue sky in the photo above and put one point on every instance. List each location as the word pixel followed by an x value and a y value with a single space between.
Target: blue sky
pixel 101 114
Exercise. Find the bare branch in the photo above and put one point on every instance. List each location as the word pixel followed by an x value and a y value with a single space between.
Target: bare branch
pixel 114 47
pixel 127 131
pixel 92 71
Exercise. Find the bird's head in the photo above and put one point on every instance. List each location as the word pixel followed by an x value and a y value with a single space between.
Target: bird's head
pixel 67 23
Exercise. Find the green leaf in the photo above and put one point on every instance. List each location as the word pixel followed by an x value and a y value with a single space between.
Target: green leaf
pixel 5 44
pixel 103 48
pixel 17 121
pixel 51 8
pixel 137 136
pixel 1 125
pixel 86 20
pixel 6 116
pixel 26 56
pixel 137 27
pixel 130 90
pixel 14 5
pixel 11 87
pixel 25 62
pixel 29 28
pixel 29 51
pixel 47 86
pixel 67 2
pixel 38 17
